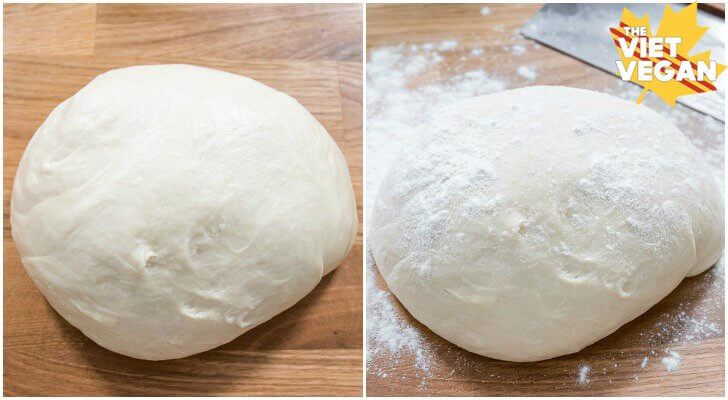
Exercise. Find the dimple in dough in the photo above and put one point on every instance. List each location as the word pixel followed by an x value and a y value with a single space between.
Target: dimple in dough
pixel 530 223
pixel 164 210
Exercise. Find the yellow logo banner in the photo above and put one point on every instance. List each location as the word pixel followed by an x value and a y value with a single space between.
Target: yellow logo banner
pixel 661 62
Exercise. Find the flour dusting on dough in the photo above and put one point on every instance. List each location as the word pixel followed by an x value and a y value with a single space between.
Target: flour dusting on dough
pixel 398 104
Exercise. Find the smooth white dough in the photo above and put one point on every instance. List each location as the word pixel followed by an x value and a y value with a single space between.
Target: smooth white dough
pixel 164 210
pixel 530 223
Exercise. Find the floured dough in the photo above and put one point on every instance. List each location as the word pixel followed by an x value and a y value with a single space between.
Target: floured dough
pixel 164 210
pixel 531 223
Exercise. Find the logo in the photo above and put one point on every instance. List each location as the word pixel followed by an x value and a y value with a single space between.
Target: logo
pixel 661 62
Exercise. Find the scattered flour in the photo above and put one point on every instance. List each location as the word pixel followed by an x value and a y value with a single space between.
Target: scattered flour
pixel 584 374
pixel 385 328
pixel 485 11
pixel 644 362
pixel 395 114
pixel 448 45
pixel 684 328
pixel 673 361
pixel 527 72
pixel 518 49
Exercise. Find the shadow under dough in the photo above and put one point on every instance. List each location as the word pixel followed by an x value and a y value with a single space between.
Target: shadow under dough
pixel 190 375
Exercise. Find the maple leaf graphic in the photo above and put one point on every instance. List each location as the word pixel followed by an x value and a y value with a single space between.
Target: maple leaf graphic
pixel 681 24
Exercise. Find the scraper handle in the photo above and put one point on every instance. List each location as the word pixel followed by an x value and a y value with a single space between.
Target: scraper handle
pixel 713 8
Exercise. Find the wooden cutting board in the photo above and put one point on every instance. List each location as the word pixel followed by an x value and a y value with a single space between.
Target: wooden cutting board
pixel 615 362
pixel 313 53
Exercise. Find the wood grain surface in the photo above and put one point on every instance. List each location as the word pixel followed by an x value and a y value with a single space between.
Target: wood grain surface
pixel 313 53
pixel 615 361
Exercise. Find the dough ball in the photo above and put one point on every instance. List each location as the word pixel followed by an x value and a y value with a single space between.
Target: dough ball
pixel 164 210
pixel 531 223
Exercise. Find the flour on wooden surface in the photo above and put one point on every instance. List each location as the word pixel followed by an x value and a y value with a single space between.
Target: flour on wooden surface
pixel 448 45
pixel 672 361
pixel 386 328
pixel 527 72
pixel 396 112
pixel 517 49
pixel 584 374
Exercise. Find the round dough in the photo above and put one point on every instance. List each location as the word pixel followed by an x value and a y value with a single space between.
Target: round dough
pixel 164 210
pixel 531 223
